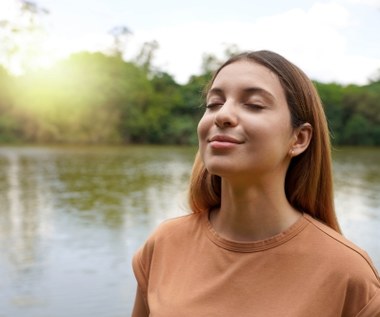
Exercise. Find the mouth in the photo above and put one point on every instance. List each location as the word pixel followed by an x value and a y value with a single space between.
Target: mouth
pixel 224 139
pixel 223 142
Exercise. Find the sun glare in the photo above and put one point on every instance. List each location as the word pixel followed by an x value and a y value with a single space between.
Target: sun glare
pixel 8 9
pixel 24 43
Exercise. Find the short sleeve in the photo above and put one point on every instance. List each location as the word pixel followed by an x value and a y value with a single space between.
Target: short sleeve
pixel 139 271
pixel 141 264
pixel 372 309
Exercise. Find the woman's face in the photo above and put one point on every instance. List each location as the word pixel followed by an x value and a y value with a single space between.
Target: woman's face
pixel 246 130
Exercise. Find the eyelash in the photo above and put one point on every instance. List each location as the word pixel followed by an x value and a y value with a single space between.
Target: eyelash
pixel 212 105
pixel 255 106
pixel 248 105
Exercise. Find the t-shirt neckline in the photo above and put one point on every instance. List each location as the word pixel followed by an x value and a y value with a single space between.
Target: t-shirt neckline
pixel 254 246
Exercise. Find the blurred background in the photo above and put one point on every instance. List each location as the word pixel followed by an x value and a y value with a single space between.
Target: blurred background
pixel 99 102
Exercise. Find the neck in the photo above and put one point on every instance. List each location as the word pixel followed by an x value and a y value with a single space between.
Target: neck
pixel 252 213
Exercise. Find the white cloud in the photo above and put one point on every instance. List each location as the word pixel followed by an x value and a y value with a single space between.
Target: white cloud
pixel 312 39
pixel 8 9
pixel 371 3
pixel 331 14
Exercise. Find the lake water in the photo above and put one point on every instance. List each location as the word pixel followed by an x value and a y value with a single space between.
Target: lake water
pixel 71 219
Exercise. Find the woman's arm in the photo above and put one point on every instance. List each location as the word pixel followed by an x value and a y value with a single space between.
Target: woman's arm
pixel 140 309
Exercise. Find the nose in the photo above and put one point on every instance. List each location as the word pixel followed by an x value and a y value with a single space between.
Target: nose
pixel 226 115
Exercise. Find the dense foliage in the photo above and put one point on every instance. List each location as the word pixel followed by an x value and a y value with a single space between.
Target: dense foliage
pixel 95 98
pixel 353 112
pixel 99 98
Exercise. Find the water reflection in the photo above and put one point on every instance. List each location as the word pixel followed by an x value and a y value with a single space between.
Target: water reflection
pixel 357 188
pixel 24 228
pixel 72 217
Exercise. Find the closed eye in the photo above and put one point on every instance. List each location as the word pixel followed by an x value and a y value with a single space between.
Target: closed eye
pixel 254 106
pixel 213 105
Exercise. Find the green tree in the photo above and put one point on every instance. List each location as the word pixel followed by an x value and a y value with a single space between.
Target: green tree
pixel 146 55
pixel 21 37
pixel 331 97
pixel 120 35
pixel 190 111
pixel 90 97
pixel 357 131
pixel 8 118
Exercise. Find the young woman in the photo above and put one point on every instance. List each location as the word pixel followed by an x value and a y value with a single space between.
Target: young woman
pixel 262 239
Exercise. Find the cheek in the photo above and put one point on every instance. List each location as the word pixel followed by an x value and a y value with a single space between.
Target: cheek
pixel 281 137
pixel 271 132
pixel 281 125
pixel 203 128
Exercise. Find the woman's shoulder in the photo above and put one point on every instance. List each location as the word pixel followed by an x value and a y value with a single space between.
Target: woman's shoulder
pixel 176 229
pixel 168 237
pixel 334 247
pixel 178 225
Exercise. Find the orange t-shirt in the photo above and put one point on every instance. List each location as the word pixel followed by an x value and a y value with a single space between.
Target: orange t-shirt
pixel 185 269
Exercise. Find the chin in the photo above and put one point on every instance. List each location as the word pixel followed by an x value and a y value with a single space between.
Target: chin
pixel 222 170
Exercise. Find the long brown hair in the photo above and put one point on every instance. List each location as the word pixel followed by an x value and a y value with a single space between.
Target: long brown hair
pixel 308 182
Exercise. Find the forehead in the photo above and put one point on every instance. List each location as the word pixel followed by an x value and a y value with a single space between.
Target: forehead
pixel 246 74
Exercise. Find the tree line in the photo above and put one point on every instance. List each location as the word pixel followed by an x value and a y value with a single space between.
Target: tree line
pixel 100 99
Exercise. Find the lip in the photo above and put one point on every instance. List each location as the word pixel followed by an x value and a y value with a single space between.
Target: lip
pixel 224 139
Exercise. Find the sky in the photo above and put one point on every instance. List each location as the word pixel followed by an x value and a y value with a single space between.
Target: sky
pixel 331 40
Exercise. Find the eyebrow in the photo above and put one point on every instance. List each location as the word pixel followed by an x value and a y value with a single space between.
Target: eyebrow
pixel 216 91
pixel 259 91
pixel 248 90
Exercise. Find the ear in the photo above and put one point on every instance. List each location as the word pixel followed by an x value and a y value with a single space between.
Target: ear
pixel 301 139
